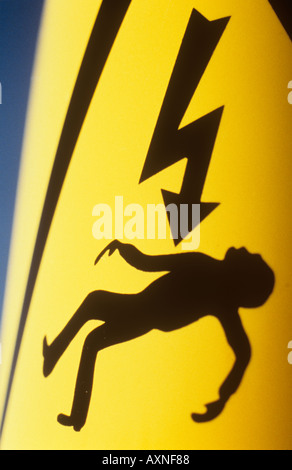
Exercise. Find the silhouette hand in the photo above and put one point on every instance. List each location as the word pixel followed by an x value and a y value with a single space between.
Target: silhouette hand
pixel 111 248
pixel 213 410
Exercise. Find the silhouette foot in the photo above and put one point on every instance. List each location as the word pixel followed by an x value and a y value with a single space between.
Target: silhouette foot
pixel 69 421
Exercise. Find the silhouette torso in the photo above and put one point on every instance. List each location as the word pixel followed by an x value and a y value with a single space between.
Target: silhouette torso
pixel 187 293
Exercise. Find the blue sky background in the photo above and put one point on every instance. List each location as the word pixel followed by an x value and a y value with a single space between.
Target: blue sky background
pixel 19 26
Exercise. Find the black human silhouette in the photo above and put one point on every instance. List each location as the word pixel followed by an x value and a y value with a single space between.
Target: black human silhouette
pixel 194 286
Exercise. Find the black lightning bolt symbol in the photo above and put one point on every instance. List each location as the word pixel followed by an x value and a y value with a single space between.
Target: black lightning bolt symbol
pixel 195 141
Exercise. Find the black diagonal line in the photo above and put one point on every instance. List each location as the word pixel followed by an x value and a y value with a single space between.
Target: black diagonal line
pixel 104 33
pixel 283 9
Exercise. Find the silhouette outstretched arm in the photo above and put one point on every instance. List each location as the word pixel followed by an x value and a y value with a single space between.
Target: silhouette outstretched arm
pixel 148 263
pixel 239 342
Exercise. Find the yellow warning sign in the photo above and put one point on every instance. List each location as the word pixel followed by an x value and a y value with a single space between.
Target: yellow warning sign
pixel 148 297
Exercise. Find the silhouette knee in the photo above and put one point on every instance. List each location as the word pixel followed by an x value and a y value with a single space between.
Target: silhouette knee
pixel 94 341
pixel 92 304
pixel 95 298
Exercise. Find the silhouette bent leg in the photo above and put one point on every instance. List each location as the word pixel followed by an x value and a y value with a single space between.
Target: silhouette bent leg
pixel 98 305
pixel 93 344
pixel 102 337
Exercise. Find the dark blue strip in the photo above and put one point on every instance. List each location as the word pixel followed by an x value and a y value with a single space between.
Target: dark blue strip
pixel 19 25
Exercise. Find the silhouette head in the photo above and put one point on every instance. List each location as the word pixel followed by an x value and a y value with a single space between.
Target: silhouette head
pixel 249 277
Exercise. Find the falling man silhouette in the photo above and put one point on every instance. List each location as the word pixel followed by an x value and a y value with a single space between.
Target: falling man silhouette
pixel 195 285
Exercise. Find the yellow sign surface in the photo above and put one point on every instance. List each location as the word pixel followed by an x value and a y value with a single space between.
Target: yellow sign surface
pixel 136 104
